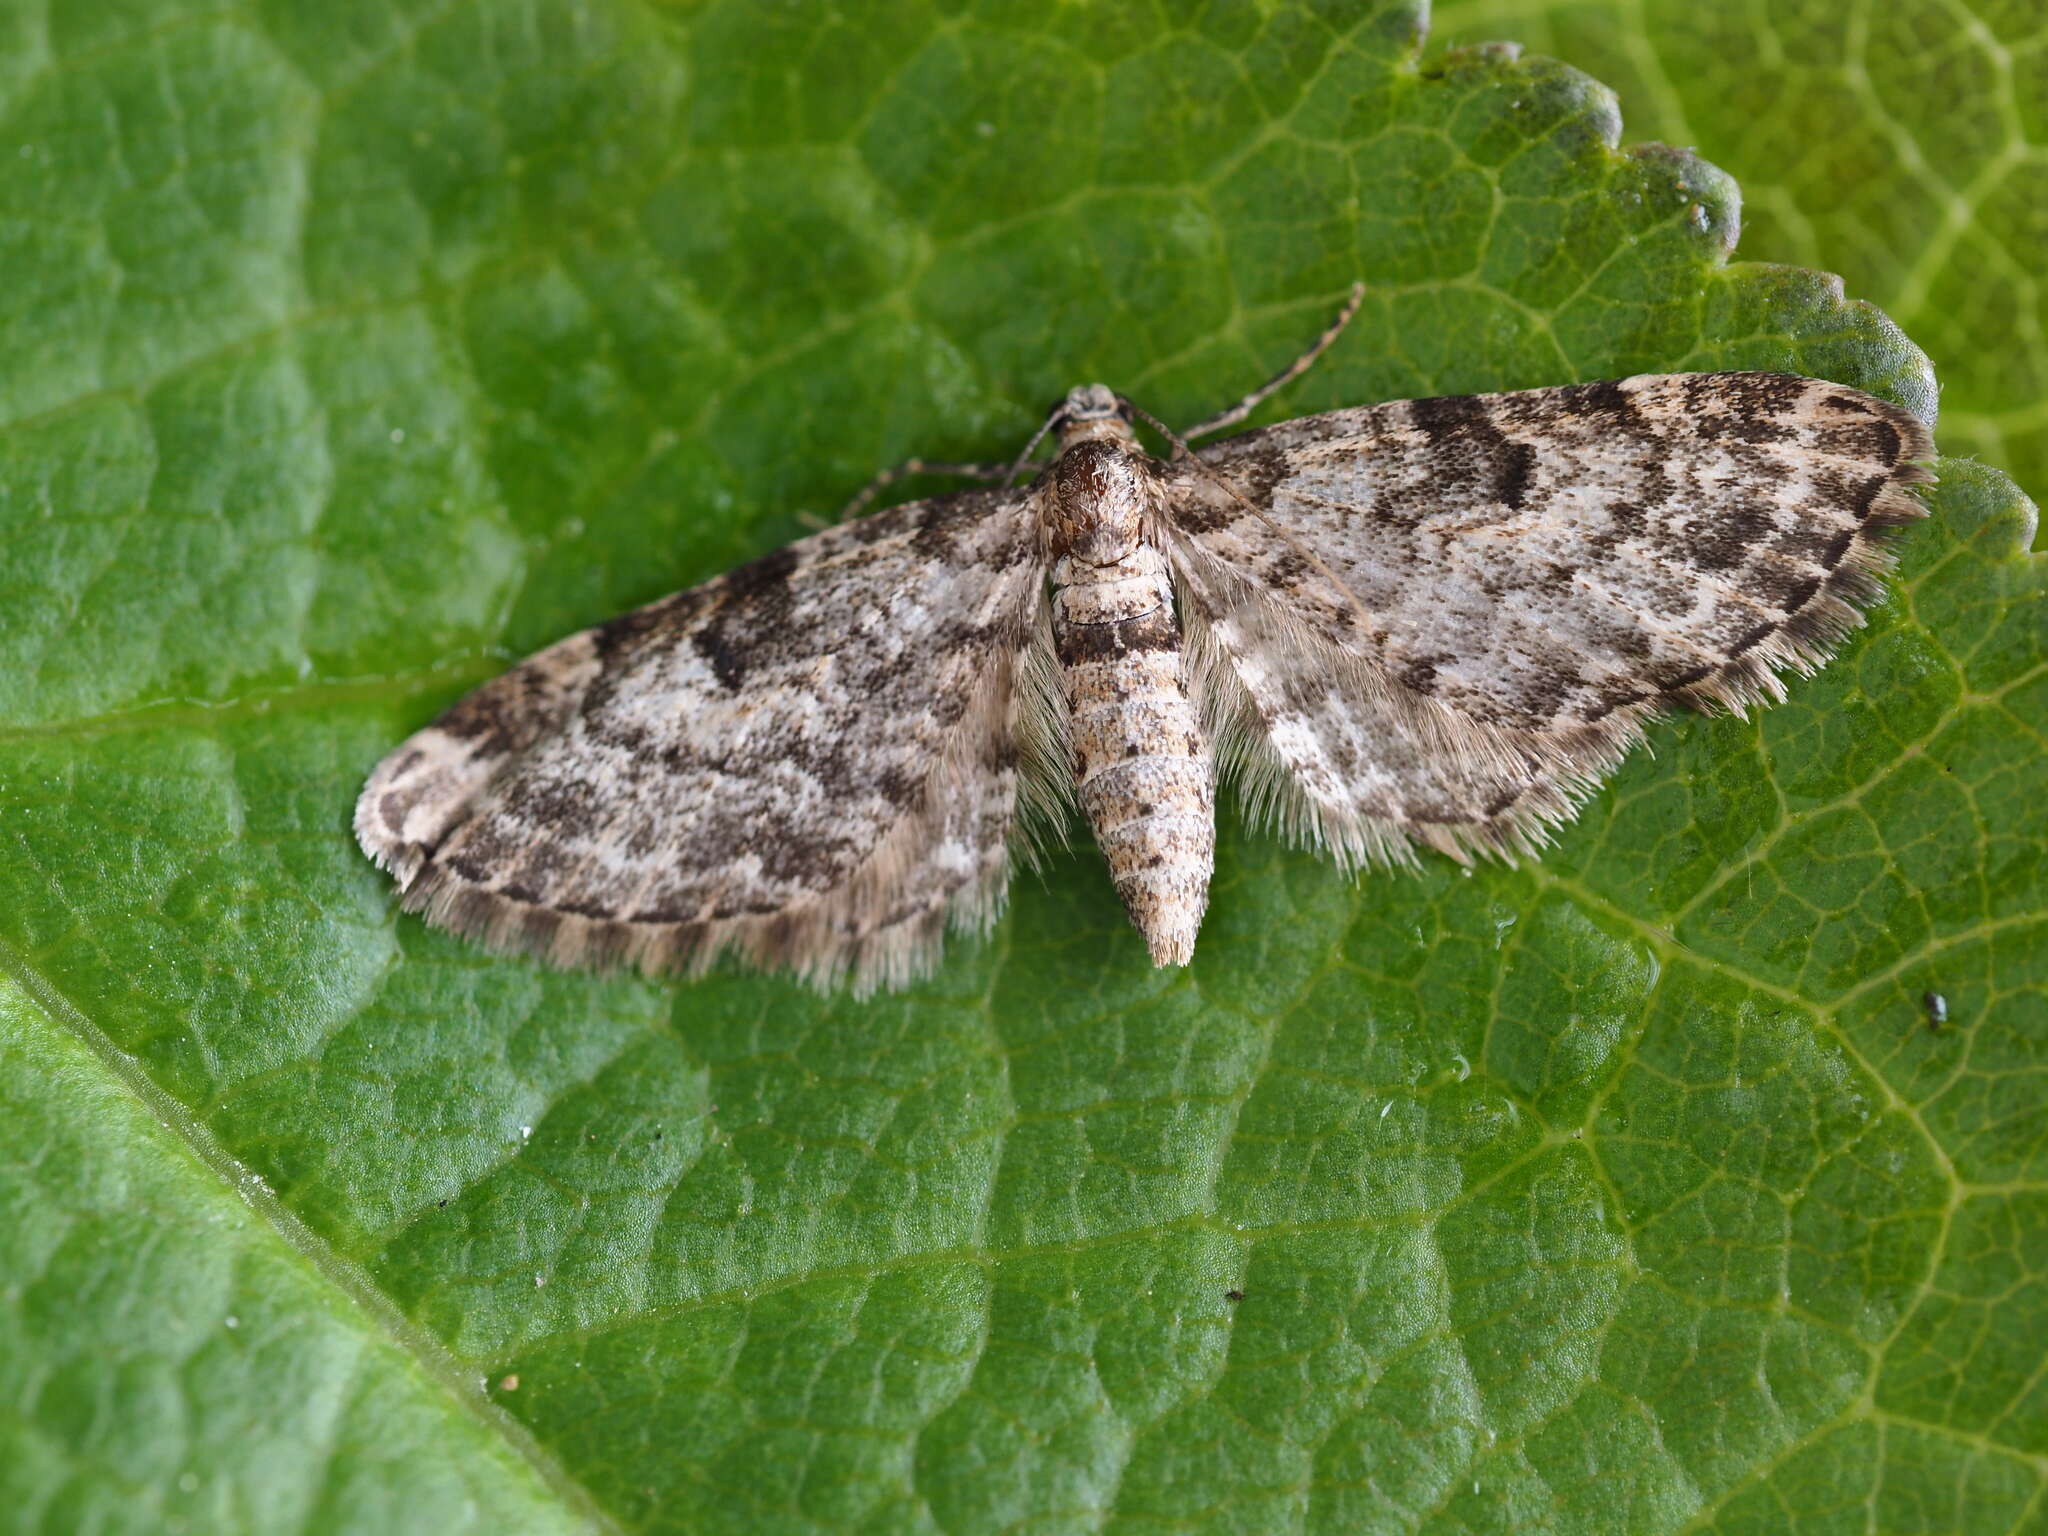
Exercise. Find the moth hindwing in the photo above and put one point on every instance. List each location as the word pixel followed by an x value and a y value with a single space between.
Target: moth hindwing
pixel 1431 624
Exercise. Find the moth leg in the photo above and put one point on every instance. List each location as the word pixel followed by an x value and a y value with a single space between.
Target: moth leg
pixel 889 477
pixel 1285 376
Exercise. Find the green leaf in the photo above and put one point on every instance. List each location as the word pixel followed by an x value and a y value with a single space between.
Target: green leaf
pixel 169 1361
pixel 357 349
pixel 1897 144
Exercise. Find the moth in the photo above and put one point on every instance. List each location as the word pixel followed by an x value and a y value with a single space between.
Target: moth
pixel 1425 625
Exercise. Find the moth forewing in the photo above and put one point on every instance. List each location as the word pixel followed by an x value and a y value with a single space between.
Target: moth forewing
pixel 1445 639
pixel 809 763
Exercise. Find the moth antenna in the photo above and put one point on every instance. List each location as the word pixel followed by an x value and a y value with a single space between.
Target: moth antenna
pixel 1181 450
pixel 1017 464
pixel 888 477
pixel 1285 376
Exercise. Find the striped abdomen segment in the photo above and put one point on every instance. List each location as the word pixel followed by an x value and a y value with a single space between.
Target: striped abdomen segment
pixel 1141 761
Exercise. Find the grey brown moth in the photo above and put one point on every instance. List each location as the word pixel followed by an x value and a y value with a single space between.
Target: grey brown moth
pixel 1429 624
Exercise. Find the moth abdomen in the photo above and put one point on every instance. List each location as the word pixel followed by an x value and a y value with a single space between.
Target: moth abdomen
pixel 1141 758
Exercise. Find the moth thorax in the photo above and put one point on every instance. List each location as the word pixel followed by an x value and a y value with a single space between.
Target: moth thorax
pixel 1098 501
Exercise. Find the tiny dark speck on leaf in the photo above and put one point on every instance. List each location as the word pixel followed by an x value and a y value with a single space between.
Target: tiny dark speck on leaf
pixel 1233 1295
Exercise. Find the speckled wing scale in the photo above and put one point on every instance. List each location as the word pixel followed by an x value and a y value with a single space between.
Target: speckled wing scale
pixel 1433 623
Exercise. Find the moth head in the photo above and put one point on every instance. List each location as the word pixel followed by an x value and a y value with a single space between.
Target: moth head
pixel 1092 412
pixel 1097 501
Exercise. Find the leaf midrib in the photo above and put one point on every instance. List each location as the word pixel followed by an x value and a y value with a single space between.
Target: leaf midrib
pixel 464 1384
pixel 459 672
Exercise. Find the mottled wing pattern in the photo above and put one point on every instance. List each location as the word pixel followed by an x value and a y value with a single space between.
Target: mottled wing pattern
pixel 1443 620
pixel 812 761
